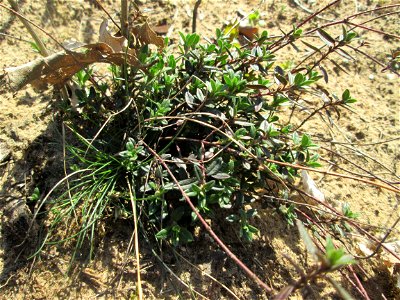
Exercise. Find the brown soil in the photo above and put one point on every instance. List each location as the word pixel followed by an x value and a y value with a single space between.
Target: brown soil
pixel 368 137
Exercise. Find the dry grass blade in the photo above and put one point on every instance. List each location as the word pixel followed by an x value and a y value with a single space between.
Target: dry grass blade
pixel 32 32
pixel 133 203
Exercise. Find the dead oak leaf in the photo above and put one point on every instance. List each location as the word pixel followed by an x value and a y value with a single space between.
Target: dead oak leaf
pixel 117 43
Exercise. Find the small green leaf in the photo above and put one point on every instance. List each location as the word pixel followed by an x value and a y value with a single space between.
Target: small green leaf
pixel 299 79
pixel 296 138
pixel 305 141
pixel 178 213
pixel 35 47
pixel 346 95
pixel 232 218
pixel 171 62
pixel 185 235
pixel 35 195
pixel 280 79
pixel 343 53
pixel 310 46
pixel 162 234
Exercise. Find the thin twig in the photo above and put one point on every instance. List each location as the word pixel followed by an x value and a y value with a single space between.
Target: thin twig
pixel 299 25
pixel 194 17
pixel 361 144
pixel 371 58
pixel 124 19
pixel 205 274
pixel 38 41
pixel 373 30
pixel 393 189
pixel 176 276
pixel 15 37
pixel 107 13
pixel 38 27
pixel 105 123
pixel 374 10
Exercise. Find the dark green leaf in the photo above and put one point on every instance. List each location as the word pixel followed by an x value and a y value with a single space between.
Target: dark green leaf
pixel 177 213
pixel 346 95
pixel 325 37
pixel 185 235
pixel 280 79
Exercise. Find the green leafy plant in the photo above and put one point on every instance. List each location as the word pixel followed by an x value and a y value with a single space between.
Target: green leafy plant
pixel 206 114
pixel 254 17
pixel 195 135
pixel 35 196
pixel 214 134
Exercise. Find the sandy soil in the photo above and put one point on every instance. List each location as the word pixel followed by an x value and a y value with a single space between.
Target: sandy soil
pixel 367 140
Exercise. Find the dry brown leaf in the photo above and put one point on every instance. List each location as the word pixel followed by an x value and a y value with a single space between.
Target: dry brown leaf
pixel 162 29
pixel 145 35
pixel 57 68
pixel 248 31
pixel 391 263
pixel 388 258
pixel 117 43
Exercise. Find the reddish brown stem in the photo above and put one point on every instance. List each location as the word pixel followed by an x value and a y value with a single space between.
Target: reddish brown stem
pixel 250 273
pixel 374 10
pixel 361 287
pixel 301 24
pixel 373 30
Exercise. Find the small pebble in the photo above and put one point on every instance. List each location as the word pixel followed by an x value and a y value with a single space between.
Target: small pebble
pixel 371 77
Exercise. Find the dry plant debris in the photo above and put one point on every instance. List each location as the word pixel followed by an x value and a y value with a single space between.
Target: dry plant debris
pixel 57 68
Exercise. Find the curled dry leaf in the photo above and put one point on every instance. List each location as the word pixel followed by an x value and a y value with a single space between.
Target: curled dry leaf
pixel 117 43
pixel 145 35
